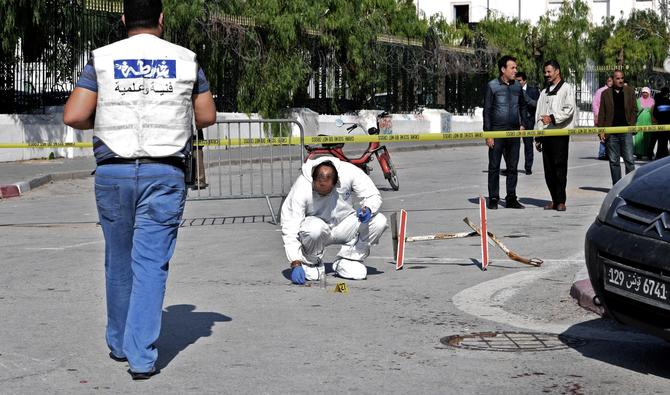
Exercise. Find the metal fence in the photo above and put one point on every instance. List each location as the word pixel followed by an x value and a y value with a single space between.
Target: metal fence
pixel 48 58
pixel 595 77
pixel 249 170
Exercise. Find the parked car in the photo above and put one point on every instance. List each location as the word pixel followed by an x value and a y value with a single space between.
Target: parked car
pixel 628 249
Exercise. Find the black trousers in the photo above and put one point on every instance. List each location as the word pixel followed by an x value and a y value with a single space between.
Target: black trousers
pixel 508 149
pixel 528 146
pixel 555 160
pixel 662 139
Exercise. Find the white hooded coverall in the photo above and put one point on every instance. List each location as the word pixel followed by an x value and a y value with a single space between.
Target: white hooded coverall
pixel 310 222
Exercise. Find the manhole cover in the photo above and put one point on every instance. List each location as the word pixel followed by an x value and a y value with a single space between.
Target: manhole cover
pixel 513 341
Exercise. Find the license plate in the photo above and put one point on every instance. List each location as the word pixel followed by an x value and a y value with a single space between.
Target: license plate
pixel 636 284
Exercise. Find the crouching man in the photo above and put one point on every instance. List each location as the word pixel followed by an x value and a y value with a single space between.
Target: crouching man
pixel 318 212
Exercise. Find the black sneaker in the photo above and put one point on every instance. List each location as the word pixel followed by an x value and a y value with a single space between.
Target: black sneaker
pixel 513 204
pixel 492 204
pixel 143 375
pixel 529 172
pixel 117 359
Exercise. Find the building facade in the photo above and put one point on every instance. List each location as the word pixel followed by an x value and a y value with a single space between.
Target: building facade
pixel 468 11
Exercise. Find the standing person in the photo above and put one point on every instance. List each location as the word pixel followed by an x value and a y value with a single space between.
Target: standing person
pixel 643 143
pixel 555 110
pixel 531 94
pixel 504 109
pixel 141 96
pixel 662 117
pixel 595 107
pixel 618 108
pixel 319 212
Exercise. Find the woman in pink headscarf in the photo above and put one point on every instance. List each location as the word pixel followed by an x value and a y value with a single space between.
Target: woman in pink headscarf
pixel 644 142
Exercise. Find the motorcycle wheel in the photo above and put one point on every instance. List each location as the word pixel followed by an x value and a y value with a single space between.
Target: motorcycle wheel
pixel 390 174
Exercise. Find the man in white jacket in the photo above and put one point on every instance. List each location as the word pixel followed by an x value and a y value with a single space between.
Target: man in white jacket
pixel 555 110
pixel 318 212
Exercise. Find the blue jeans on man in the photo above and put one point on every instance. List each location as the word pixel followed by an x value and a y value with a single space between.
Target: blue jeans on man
pixel 620 145
pixel 140 208
pixel 602 151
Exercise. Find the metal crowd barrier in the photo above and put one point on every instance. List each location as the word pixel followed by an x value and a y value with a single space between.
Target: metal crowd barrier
pixel 237 167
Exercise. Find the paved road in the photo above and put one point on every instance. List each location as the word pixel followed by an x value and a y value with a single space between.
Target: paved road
pixel 233 323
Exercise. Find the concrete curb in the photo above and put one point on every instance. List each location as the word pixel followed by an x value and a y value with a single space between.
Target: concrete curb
pixel 19 188
pixel 583 293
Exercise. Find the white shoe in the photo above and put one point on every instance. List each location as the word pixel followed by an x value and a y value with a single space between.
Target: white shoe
pixel 353 270
pixel 314 273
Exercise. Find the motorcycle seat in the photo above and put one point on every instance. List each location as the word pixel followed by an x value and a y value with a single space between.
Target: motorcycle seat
pixel 324 146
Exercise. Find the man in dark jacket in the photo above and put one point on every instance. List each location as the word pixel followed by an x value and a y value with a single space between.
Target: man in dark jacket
pixel 531 94
pixel 504 109
pixel 618 107
pixel 662 117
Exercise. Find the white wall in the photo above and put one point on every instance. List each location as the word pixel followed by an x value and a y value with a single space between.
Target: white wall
pixel 531 9
pixel 28 128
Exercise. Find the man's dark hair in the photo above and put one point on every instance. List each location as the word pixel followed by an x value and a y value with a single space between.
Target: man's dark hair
pixel 141 14
pixel 522 75
pixel 327 163
pixel 502 62
pixel 617 71
pixel 553 63
pixel 664 91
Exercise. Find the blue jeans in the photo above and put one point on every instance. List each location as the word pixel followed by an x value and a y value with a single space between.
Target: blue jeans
pixel 140 208
pixel 602 151
pixel 620 145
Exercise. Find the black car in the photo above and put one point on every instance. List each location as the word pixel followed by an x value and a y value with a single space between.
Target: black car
pixel 628 249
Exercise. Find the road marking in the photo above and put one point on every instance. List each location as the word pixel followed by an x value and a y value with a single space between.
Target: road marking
pixel 485 299
pixel 64 247
pixel 440 260
pixel 577 167
pixel 429 192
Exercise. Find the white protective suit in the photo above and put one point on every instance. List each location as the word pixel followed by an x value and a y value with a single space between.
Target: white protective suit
pixel 310 222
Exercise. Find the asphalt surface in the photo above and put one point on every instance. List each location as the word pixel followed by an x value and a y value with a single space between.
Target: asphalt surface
pixel 233 323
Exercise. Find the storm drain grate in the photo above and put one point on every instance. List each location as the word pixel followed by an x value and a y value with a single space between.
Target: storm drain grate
pixel 246 219
pixel 513 341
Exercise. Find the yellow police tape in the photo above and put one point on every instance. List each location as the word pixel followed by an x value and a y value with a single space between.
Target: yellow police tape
pixel 383 138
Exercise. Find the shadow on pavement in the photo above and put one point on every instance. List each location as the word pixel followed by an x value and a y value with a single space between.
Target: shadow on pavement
pixel 525 200
pixel 181 327
pixel 597 189
pixel 534 202
pixel 615 344
pixel 372 271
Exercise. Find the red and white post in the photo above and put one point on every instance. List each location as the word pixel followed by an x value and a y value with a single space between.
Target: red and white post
pixel 485 235
pixel 402 235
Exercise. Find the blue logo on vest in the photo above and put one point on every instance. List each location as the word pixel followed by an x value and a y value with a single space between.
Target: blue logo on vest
pixel 144 68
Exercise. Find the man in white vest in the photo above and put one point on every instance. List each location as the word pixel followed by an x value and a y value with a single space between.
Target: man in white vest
pixel 141 96
pixel 318 212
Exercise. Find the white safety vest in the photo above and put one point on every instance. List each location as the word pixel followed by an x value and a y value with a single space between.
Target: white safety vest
pixel 145 87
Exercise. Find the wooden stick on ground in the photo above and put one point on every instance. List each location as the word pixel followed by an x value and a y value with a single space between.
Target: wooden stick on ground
pixel 511 254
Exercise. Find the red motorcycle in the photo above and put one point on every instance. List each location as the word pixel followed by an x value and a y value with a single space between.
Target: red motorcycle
pixel 375 149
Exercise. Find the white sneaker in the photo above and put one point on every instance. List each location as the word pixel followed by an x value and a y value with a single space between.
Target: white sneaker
pixel 347 268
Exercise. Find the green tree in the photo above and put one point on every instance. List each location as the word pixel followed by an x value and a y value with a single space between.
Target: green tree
pixel 642 39
pixel 561 35
pixel 597 38
pixel 509 36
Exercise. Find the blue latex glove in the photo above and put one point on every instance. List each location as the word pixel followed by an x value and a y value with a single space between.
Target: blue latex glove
pixel 298 275
pixel 364 214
